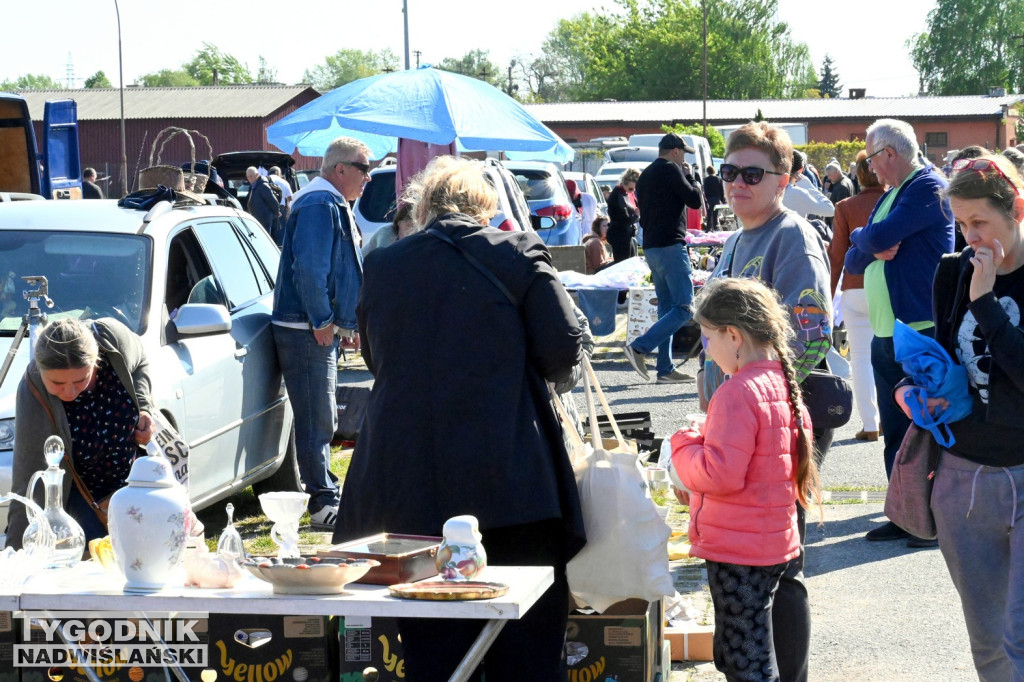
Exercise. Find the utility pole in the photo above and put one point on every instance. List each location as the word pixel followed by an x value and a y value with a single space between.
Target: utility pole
pixel 510 89
pixel 704 63
pixel 405 13
pixel 1021 39
pixel 120 76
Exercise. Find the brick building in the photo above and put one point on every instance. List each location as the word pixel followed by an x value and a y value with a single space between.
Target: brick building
pixel 943 123
pixel 233 117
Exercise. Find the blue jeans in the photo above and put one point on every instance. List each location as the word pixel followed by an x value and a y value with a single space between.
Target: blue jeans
pixel 311 376
pixel 670 272
pixel 888 373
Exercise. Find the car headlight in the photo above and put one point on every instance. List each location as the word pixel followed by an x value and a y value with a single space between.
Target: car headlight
pixel 6 434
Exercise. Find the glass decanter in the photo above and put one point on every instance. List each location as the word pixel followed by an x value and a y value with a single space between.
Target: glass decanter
pixel 68 537
pixel 230 544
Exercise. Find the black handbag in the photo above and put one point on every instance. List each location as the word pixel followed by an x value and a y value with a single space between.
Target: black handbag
pixel 351 404
pixel 829 399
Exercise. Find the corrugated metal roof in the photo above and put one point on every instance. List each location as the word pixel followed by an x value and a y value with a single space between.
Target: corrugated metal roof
pixel 228 101
pixel 773 109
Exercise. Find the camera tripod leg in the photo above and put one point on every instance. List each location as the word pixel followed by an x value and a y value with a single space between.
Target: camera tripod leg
pixel 22 329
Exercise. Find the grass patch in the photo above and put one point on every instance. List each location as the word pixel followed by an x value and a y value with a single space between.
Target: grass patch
pixel 856 488
pixel 253 525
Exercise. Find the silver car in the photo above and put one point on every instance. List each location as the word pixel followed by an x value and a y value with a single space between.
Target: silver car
pixel 196 284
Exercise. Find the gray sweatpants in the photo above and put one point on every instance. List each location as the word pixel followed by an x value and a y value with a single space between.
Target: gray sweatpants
pixel 976 509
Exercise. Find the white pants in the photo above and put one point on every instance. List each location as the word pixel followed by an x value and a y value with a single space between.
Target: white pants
pixel 859 334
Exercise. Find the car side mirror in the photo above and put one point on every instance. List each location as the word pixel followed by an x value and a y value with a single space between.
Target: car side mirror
pixel 542 222
pixel 202 318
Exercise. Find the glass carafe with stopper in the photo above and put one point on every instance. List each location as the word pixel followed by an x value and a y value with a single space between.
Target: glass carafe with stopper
pixel 68 536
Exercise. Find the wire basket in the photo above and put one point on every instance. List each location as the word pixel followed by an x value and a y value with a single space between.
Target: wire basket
pixel 175 177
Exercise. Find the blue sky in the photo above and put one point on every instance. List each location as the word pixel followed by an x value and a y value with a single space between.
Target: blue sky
pixel 865 40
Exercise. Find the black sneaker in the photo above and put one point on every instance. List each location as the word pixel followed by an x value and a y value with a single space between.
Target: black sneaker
pixel 887 531
pixel 921 543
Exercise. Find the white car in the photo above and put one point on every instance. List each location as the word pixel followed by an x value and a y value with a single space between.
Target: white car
pixel 608 175
pixel 196 283
pixel 376 207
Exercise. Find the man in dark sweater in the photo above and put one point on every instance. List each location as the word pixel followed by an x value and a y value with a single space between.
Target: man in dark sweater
pixel 90 190
pixel 664 190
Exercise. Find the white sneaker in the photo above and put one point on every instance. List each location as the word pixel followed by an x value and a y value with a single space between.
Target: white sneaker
pixel 325 518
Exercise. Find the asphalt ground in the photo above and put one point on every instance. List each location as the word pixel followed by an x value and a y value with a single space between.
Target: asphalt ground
pixel 881 611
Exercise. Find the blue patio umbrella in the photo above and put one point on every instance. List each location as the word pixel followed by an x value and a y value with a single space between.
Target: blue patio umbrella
pixel 425 104
pixel 934 375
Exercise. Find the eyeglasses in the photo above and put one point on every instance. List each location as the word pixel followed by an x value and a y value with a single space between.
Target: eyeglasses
pixel 982 165
pixel 752 175
pixel 364 168
pixel 867 159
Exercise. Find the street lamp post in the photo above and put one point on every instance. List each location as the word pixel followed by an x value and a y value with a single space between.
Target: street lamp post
pixel 120 76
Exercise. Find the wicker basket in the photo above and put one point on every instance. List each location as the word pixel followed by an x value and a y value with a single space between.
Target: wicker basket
pixel 173 176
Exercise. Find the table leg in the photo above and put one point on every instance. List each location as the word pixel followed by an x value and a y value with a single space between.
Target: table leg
pixel 476 652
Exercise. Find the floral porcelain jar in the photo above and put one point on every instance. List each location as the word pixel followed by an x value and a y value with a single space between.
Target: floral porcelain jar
pixel 461 555
pixel 147 527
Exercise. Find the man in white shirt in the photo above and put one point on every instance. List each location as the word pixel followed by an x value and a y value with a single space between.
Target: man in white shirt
pixel 802 196
pixel 286 191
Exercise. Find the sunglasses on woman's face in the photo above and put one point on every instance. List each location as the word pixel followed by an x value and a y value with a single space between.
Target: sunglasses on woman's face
pixel 752 175
pixel 982 165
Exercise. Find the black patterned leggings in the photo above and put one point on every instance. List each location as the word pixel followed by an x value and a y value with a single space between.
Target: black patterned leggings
pixel 743 597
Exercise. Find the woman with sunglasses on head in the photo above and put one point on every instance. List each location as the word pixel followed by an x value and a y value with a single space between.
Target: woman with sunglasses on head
pixel 780 248
pixel 978 494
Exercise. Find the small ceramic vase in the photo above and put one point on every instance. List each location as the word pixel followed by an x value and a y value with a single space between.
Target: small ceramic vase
pixel 461 555
pixel 147 527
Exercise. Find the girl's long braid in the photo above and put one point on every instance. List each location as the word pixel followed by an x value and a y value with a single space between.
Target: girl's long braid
pixel 807 482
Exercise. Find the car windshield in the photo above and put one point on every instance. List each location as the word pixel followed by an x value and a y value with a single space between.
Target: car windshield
pixel 89 275
pixel 538 185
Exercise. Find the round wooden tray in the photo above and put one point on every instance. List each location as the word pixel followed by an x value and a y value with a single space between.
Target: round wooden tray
pixel 443 590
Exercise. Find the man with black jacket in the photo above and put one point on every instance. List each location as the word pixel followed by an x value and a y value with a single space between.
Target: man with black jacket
pixel 664 190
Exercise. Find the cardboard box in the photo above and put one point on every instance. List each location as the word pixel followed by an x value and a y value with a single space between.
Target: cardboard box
pixel 622 644
pixel 259 647
pixel 370 643
pixel 691 642
pixel 8 673
pixel 106 671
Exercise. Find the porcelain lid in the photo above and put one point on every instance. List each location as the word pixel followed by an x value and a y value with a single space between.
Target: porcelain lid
pixel 152 472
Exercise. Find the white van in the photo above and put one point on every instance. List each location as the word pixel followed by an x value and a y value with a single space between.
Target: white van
pixel 645 148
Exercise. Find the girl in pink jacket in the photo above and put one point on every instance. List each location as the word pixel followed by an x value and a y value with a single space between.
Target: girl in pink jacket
pixel 746 469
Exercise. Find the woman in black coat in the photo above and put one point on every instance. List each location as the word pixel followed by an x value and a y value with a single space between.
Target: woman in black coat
pixel 623 216
pixel 459 420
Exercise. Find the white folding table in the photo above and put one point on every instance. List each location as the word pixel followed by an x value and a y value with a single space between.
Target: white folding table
pixel 88 588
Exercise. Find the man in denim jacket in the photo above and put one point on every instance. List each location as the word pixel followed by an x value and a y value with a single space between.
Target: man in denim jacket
pixel 318 284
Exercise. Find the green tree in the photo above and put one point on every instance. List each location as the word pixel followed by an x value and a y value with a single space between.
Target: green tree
pixel 31 81
pixel 651 50
pixel 168 78
pixel 829 85
pixel 968 47
pixel 98 80
pixel 715 139
pixel 210 66
pixel 265 73
pixel 475 63
pixel 348 65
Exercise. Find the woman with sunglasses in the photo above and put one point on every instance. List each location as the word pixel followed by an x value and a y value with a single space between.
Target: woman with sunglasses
pixel 780 248
pixel 978 494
